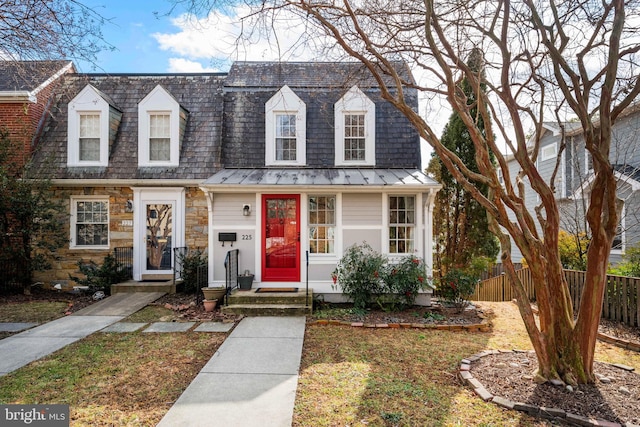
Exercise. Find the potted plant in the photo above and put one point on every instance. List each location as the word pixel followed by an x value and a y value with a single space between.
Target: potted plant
pixel 212 293
pixel 245 280
pixel 209 305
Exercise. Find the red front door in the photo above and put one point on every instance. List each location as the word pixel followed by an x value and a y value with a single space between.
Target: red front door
pixel 281 238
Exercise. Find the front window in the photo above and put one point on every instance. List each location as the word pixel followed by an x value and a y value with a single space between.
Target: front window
pixel 286 137
pixel 354 137
pixel 322 222
pixel 89 140
pixel 402 222
pixel 90 226
pixel 159 137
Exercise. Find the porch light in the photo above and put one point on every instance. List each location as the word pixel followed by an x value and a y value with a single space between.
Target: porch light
pixel 246 210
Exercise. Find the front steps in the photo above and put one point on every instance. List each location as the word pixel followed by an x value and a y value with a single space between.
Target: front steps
pixel 147 286
pixel 250 303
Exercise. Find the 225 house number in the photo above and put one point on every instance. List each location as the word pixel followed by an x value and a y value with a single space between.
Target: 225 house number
pixel 247 237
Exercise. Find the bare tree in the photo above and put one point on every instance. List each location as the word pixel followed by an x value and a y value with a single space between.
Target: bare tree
pixel 50 29
pixel 544 61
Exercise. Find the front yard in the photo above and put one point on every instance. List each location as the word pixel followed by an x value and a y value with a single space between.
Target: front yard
pixel 348 376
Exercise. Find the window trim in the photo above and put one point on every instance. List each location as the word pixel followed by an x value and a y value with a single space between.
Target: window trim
pixel 285 101
pixel 414 224
pixel 73 221
pixel 158 101
pixel 334 225
pixel 549 152
pixel 355 102
pixel 77 107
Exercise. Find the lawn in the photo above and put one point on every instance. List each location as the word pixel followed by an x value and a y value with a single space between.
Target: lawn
pixel 348 376
pixel 396 377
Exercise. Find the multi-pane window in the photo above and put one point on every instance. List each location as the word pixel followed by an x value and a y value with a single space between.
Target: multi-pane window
pixel 286 137
pixel 354 139
pixel 322 224
pixel 89 140
pixel 159 137
pixel 402 224
pixel 91 223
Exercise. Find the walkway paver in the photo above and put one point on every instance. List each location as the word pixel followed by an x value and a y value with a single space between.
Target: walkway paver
pixel 124 327
pixel 33 344
pixel 169 327
pixel 250 381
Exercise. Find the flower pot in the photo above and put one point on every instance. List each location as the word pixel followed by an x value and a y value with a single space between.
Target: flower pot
pixel 209 305
pixel 214 293
pixel 245 281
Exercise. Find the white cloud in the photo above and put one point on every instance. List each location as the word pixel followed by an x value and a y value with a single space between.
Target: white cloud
pixel 232 37
pixel 181 65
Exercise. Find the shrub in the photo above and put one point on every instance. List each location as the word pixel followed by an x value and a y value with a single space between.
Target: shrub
pixel 100 278
pixel 630 265
pixel 190 262
pixel 366 276
pixel 456 287
pixel 404 279
pixel 359 274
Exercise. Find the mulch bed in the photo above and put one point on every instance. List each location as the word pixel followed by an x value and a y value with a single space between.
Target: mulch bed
pixel 75 301
pixel 614 397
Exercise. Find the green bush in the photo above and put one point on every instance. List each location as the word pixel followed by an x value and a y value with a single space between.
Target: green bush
pixel 359 274
pixel 630 265
pixel 456 287
pixel 190 262
pixel 404 280
pixel 100 278
pixel 366 276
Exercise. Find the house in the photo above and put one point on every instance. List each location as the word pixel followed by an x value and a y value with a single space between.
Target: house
pixel 575 175
pixel 25 97
pixel 290 163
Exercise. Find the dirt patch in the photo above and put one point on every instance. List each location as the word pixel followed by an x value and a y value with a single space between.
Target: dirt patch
pixel 186 308
pixel 614 397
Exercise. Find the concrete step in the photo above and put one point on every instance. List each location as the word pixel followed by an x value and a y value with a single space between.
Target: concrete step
pixel 132 286
pixel 268 309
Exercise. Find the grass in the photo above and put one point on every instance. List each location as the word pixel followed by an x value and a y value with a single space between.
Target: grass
pixel 385 377
pixel 32 312
pixel 114 379
pixel 153 313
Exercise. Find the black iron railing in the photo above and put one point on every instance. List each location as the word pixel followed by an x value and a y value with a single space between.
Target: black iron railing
pixel 231 271
pixel 202 279
pixel 178 258
pixel 124 260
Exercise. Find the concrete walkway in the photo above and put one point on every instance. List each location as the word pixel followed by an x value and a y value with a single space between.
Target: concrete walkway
pixel 35 343
pixel 250 381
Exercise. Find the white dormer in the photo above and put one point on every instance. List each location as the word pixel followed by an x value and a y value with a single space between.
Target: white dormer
pixel 355 129
pixel 88 129
pixel 286 129
pixel 161 122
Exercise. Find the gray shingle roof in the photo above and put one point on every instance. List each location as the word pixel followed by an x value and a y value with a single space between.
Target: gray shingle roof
pixel 27 75
pixel 305 74
pixel 200 94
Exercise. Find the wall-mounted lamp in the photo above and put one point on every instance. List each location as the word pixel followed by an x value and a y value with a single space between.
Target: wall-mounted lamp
pixel 246 210
pixel 128 206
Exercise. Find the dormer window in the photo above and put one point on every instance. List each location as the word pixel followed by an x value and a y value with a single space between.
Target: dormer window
pixel 88 128
pixel 285 117
pixel 355 129
pixel 161 123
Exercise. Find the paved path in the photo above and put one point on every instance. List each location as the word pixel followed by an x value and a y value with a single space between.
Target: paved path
pixel 250 381
pixel 35 343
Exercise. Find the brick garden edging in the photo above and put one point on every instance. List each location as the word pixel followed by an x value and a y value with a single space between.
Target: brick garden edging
pixel 484 326
pixel 541 412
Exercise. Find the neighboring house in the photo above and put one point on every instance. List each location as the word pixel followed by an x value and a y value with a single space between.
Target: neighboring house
pixel 25 97
pixel 278 160
pixel 575 175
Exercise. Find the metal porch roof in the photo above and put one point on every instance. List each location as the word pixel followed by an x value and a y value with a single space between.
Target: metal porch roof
pixel 320 177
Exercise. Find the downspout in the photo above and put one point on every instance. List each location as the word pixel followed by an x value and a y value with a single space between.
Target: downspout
pixel 209 197
pixel 428 230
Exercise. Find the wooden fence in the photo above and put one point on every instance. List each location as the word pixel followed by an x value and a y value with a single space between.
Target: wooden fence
pixel 621 299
